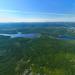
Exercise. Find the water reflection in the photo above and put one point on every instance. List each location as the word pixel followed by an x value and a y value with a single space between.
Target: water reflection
pixel 19 34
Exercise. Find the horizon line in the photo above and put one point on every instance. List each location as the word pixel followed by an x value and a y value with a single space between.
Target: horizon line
pixel 37 20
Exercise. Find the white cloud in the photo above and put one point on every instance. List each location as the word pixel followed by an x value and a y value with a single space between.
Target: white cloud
pixel 29 12
pixel 9 11
pixel 9 16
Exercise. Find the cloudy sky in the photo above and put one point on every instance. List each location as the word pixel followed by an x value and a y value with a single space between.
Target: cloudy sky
pixel 37 10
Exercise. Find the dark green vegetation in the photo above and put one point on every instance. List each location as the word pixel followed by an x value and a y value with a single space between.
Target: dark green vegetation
pixel 48 56
pixel 40 56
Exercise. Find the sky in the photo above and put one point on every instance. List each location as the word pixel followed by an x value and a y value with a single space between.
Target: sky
pixel 37 10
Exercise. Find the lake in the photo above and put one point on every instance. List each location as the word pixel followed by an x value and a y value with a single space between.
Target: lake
pixel 65 37
pixel 29 35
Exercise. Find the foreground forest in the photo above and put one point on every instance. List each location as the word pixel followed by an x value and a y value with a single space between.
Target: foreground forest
pixel 47 56
pixel 41 56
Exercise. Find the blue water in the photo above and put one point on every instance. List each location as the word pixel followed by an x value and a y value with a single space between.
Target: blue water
pixel 65 37
pixel 37 35
pixel 30 35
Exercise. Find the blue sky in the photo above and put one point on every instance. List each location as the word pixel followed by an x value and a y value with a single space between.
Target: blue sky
pixel 40 10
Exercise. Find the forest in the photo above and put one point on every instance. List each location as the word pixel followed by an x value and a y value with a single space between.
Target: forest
pixel 45 55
